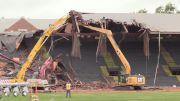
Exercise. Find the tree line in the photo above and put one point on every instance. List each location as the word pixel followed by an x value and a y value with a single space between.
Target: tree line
pixel 169 8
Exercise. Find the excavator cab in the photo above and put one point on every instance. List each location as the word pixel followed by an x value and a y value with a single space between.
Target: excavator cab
pixel 135 81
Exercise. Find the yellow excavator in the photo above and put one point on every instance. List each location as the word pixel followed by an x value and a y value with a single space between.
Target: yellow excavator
pixel 18 83
pixel 126 79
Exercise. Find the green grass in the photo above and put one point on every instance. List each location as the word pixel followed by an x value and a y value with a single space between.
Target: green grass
pixel 111 96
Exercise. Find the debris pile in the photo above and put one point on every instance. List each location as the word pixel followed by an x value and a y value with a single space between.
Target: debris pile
pixel 94 85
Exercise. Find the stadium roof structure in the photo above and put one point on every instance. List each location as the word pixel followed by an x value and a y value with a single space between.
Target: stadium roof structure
pixel 164 23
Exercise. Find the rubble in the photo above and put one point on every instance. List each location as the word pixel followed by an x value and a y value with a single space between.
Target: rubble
pixel 94 85
pixel 2 64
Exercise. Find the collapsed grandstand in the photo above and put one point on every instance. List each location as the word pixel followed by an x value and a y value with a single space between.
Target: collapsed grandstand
pixel 86 58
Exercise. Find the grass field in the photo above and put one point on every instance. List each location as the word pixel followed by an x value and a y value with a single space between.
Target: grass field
pixel 111 96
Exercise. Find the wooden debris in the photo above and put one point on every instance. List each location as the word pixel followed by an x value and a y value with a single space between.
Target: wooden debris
pixel 76 51
pixel 146 44
pixel 101 48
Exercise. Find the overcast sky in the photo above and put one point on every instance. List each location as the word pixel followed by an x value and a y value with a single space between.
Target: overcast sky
pixel 58 8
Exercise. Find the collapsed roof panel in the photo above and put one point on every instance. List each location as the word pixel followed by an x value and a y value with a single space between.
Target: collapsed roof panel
pixel 9 42
pixel 12 40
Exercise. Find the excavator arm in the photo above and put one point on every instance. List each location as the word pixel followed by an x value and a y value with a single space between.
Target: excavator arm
pixel 47 33
pixel 119 53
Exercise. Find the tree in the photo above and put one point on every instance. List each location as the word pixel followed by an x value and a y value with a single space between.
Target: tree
pixel 160 9
pixel 142 11
pixel 170 8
